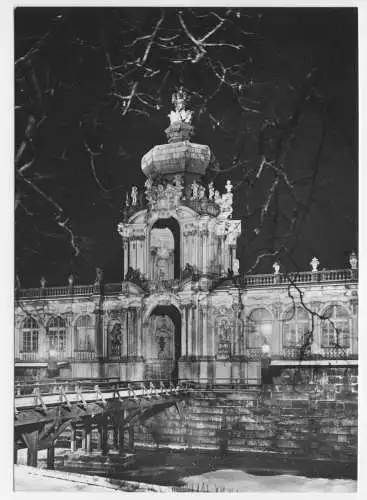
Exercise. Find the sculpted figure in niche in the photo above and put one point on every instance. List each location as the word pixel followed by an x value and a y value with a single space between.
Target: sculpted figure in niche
pixel 115 339
pixel 195 190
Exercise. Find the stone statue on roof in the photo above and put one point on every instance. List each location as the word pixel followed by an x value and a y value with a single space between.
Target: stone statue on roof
pixel 180 114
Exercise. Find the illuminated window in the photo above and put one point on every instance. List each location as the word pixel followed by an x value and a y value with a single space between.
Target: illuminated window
pixel 336 327
pixel 84 334
pixel 30 335
pixel 296 326
pixel 259 329
pixel 56 333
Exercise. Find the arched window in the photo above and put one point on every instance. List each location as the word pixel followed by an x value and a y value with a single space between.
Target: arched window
pixel 259 330
pixel 84 334
pixel 296 326
pixel 30 335
pixel 336 327
pixel 56 332
pixel 165 249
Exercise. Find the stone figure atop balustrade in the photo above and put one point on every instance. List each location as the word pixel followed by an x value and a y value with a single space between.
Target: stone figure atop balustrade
pixel 134 196
pixel 276 267
pixel 99 276
pixel 353 261
pixel 229 186
pixel 314 264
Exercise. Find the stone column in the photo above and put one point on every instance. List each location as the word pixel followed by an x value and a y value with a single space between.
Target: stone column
pixel 354 332
pixel 101 347
pixel 205 352
pixel 42 341
pixel 132 333
pixel 233 255
pixel 316 344
pixel 126 255
pixel 277 343
pixel 69 336
pixel 132 253
pixel 213 343
pixel 194 332
pixel 220 254
pixel 205 247
pixel 189 331
pixel 139 333
pixel 183 332
pixel 124 325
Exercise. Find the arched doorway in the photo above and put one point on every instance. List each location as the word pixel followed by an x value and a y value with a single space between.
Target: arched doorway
pixel 163 344
pixel 165 249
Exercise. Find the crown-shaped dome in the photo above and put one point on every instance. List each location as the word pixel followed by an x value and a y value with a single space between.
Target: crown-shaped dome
pixel 179 156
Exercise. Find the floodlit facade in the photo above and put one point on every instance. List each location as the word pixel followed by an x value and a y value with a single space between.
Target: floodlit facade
pixel 184 311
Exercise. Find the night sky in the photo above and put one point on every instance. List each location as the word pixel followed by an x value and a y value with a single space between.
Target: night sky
pixel 284 47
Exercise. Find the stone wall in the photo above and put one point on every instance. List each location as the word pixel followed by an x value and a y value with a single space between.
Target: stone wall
pixel 309 412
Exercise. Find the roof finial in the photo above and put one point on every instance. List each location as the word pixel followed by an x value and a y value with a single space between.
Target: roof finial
pixel 180 99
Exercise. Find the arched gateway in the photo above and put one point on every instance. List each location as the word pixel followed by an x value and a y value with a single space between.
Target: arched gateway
pixel 177 247
pixel 163 344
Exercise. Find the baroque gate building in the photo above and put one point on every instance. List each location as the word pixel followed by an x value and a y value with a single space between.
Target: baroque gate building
pixel 183 311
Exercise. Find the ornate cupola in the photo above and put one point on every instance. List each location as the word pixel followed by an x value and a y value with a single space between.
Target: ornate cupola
pixel 179 156
pixel 185 227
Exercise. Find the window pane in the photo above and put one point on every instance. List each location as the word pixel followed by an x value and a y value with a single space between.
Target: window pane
pixel 84 334
pixel 56 332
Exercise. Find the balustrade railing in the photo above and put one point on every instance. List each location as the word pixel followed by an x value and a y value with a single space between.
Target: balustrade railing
pixel 84 356
pixel 255 280
pixel 38 357
pixel 332 353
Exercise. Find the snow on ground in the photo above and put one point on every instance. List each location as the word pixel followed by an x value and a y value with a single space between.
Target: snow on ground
pixel 27 482
pixel 236 481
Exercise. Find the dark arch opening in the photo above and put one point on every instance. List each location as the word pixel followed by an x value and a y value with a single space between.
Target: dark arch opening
pixel 172 224
pixel 174 314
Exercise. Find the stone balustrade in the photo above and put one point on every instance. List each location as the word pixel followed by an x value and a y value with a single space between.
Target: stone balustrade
pixel 255 280
pixel 295 353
